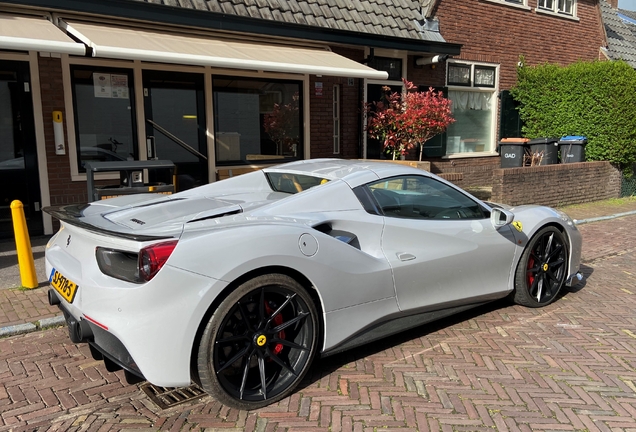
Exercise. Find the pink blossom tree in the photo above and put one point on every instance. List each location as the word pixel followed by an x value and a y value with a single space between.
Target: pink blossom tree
pixel 405 121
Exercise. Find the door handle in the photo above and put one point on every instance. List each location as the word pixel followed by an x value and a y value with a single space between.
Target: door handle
pixel 404 256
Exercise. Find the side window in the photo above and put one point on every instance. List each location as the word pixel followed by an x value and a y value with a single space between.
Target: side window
pixel 419 197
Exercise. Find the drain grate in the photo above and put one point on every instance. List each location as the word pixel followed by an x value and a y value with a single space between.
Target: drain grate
pixel 167 397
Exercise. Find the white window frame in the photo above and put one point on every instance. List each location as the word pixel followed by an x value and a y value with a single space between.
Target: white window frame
pixel 472 88
pixel 520 4
pixel 554 8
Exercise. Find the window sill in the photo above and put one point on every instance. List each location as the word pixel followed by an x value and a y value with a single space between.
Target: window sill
pixel 513 5
pixel 556 15
pixel 470 155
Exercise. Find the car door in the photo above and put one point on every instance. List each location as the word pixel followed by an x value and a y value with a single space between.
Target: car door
pixel 440 243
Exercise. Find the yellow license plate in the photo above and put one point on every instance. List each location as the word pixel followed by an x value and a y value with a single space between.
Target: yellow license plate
pixel 66 287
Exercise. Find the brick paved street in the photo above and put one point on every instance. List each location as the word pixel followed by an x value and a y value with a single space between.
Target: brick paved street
pixel 569 366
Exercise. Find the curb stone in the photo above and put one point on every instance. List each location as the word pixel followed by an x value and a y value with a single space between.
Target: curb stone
pixel 59 320
pixel 603 218
pixel 25 328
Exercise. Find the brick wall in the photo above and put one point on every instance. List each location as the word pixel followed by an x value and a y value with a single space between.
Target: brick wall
pixel 321 112
pixel 498 33
pixel 62 189
pixel 556 185
pixel 476 172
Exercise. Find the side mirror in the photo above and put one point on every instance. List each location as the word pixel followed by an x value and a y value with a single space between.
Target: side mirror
pixel 500 218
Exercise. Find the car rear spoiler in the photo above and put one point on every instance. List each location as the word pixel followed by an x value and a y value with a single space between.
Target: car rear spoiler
pixel 72 214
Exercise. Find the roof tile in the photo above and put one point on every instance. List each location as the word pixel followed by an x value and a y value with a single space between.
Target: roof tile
pixel 393 18
pixel 621 34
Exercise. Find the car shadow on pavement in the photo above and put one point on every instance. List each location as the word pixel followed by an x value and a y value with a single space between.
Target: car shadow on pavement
pixel 587 273
pixel 327 365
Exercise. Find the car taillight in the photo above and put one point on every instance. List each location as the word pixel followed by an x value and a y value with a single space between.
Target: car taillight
pixel 119 264
pixel 153 257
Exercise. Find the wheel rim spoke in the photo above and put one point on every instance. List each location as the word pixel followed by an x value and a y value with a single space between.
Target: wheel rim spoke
pixel 301 316
pixel 290 344
pixel 556 250
pixel 533 287
pixel 557 263
pixel 243 314
pixel 277 311
pixel 546 251
pixel 246 370
pixel 554 279
pixel 261 369
pixel 231 361
pixel 232 339
pixel 540 286
pixel 281 363
pixel 535 256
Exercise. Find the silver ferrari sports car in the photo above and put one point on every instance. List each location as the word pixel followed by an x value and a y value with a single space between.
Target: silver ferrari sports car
pixel 238 285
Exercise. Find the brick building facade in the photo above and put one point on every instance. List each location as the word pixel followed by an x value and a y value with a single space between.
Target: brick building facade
pixel 480 38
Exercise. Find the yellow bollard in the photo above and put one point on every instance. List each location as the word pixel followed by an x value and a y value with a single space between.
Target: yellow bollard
pixel 23 246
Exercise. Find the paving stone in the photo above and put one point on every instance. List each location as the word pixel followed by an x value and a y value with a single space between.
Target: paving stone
pixel 568 366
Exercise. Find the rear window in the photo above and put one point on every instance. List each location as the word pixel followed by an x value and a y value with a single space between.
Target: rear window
pixel 293 183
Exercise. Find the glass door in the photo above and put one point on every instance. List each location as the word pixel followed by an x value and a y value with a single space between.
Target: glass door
pixel 19 177
pixel 175 124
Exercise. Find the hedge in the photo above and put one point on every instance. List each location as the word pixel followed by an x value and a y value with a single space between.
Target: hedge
pixel 595 99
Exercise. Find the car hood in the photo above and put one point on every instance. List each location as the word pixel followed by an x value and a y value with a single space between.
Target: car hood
pixel 147 216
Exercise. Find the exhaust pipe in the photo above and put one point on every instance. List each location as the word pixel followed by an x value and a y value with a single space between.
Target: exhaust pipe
pixel 79 331
pixel 54 300
pixel 578 276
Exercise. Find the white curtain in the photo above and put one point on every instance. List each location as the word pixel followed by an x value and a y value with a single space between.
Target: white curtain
pixel 469 100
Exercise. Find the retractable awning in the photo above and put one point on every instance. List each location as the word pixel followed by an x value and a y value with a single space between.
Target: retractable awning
pixel 155 46
pixel 35 34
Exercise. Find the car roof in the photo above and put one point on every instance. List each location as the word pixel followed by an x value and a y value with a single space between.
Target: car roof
pixel 354 172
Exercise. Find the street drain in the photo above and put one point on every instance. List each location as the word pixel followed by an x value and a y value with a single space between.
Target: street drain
pixel 167 397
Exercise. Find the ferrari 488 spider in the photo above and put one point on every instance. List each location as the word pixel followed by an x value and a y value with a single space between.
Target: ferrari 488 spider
pixel 237 285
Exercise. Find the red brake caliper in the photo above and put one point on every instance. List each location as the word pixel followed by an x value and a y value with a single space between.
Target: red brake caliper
pixel 278 320
pixel 530 275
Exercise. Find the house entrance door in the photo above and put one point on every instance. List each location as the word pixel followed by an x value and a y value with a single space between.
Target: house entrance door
pixel 175 123
pixel 375 94
pixel 19 178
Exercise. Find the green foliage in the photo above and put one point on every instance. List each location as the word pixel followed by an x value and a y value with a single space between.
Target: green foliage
pixel 594 99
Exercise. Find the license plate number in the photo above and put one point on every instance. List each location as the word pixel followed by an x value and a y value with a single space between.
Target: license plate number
pixel 66 287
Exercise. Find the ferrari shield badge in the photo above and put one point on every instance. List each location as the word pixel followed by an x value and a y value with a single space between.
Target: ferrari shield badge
pixel 518 225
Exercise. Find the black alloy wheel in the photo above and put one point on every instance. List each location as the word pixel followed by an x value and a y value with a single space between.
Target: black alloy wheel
pixel 259 343
pixel 542 270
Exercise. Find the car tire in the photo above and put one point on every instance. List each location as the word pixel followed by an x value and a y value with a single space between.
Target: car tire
pixel 542 269
pixel 259 343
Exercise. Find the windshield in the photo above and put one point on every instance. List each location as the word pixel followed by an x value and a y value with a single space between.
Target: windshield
pixel 293 183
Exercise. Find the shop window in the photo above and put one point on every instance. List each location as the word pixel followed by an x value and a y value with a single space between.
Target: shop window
pixel 257 120
pixel 103 103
